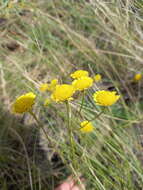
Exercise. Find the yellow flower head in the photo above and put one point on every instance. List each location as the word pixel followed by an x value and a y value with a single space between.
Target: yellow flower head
pixel 52 85
pixel 97 78
pixel 49 86
pixel 54 82
pixel 79 73
pixel 86 127
pixel 105 98
pixel 43 87
pixel 137 77
pixel 62 93
pixel 24 103
pixel 82 83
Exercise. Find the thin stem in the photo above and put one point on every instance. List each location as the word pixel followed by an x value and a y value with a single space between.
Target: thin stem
pixel 70 129
pixel 94 118
pixel 82 102
pixel 98 115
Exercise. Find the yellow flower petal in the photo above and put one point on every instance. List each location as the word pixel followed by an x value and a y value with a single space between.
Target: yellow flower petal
pixel 82 83
pixel 79 73
pixel 62 93
pixel 86 127
pixel 24 103
pixel 105 98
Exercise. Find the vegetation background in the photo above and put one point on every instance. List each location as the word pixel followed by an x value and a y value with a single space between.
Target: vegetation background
pixel 42 40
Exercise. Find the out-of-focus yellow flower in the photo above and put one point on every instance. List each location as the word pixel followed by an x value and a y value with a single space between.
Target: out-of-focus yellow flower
pixel 105 98
pixel 79 73
pixel 48 86
pixel 52 85
pixel 86 127
pixel 62 93
pixel 82 83
pixel 47 102
pixel 97 78
pixel 24 103
pixel 44 87
pixel 137 77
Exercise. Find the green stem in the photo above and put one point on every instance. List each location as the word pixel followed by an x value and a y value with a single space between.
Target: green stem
pixel 82 101
pixel 98 115
pixel 70 129
pixel 95 117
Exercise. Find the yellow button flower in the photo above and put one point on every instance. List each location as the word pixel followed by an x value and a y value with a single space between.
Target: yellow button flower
pixel 97 78
pixel 82 83
pixel 53 84
pixel 49 86
pixel 138 77
pixel 86 127
pixel 43 87
pixel 79 73
pixel 24 103
pixel 62 93
pixel 105 98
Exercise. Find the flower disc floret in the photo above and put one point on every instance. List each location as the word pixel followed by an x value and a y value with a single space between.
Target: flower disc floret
pixel 82 83
pixel 105 98
pixel 24 103
pixel 79 73
pixel 86 127
pixel 62 93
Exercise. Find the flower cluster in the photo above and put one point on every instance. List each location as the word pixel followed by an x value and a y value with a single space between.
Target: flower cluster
pixel 82 80
pixel 48 86
pixel 64 92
